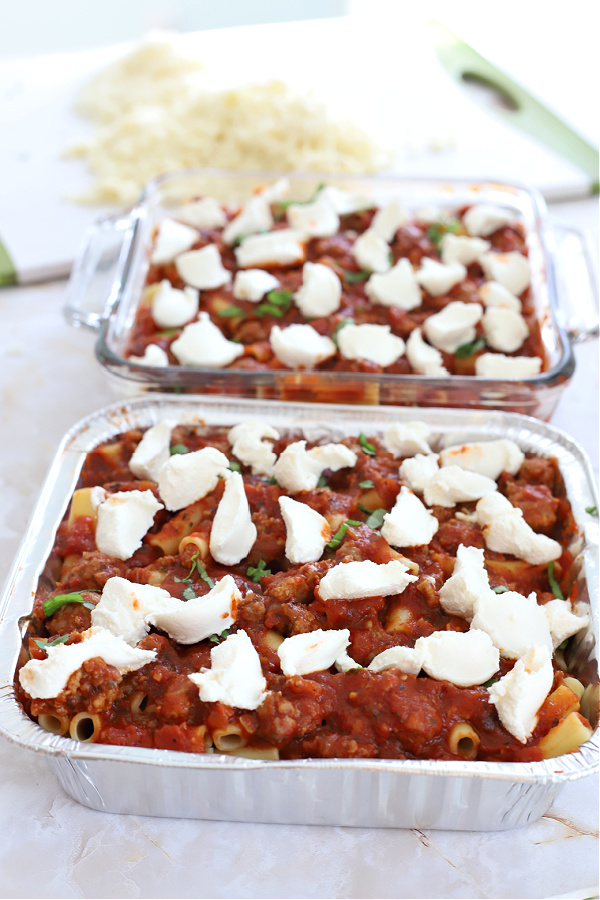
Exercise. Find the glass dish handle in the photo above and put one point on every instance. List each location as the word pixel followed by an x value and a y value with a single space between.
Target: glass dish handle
pixel 577 283
pixel 99 270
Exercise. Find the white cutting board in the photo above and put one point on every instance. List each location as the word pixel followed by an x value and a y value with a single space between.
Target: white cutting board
pixel 398 91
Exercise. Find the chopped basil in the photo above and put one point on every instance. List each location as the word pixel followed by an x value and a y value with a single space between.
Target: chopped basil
pixel 217 638
pixel 234 466
pixel 178 448
pixel 189 594
pixel 196 564
pixel 256 572
pixel 489 683
pixel 280 298
pixel 230 312
pixel 469 349
pixel 436 232
pixel 592 510
pixel 267 309
pixel 203 573
pixel 500 589
pixel 366 485
pixel 563 646
pixel 355 277
pixel 375 520
pixel 168 332
pixel 367 447
pixel 340 534
pixel 338 328
pixel 53 603
pixel 61 639
pixel 554 585
pixel 322 482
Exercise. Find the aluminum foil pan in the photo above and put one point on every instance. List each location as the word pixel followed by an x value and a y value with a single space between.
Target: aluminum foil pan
pixel 425 794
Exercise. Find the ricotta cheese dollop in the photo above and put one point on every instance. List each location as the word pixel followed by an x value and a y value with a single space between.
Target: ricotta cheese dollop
pixel 307 531
pixel 453 326
pixel 506 531
pixel 396 287
pixel 354 580
pixel 409 524
pixel 172 307
pixel 300 346
pixel 187 477
pixel 123 520
pixel 520 693
pixel 203 268
pixel 202 343
pixel 320 293
pixel 374 343
pixel 233 532
pixel 235 676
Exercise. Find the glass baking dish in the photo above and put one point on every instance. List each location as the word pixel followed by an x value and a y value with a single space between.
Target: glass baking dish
pixel 457 795
pixel 107 282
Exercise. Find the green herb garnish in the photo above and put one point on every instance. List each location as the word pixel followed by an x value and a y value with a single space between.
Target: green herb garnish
pixel 469 349
pixel 489 683
pixel 230 312
pixel 367 447
pixel 500 589
pixel 322 482
pixel 355 277
pixel 234 466
pixel 43 645
pixel 196 564
pixel 554 585
pixel 338 328
pixel 217 638
pixel 168 332
pixel 53 603
pixel 178 448
pixel 204 574
pixel 375 520
pixel 436 232
pixel 340 534
pixel 366 485
pixel 592 510
pixel 188 594
pixel 256 572
pixel 285 203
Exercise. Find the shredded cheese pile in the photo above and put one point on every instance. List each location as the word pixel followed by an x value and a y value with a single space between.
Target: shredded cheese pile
pixel 154 114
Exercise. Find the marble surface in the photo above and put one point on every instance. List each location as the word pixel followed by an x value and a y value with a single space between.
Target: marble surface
pixel 49 379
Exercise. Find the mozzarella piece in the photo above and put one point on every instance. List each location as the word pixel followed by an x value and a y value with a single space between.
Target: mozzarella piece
pixel 203 268
pixel 317 219
pixel 388 220
pixel 453 326
pixel 254 218
pixel 205 213
pixel 462 658
pixel 187 477
pixel 489 458
pixel 355 580
pixel 371 252
pixel 233 532
pixel 409 524
pixel 452 485
pixel 407 659
pixel 511 270
pixel 438 278
pixel 152 451
pixel 519 695
pixel 247 444
pixel 507 368
pixel 299 469
pixel 300 346
pixel 374 343
pixel 506 531
pixel 344 202
pixel 277 191
pixel 46 678
pixel 460 249
pixel 396 287
pixel 424 359
pixel 407 438
pixel 418 470
pixel 312 651
pixel 190 621
pixel 153 356
pixel 253 284
pixel 202 343
pixel 494 294
pixel 562 622
pixel 320 293
pixel 504 329
pixel 468 582
pixel 283 247
pixel 514 622
pixel 123 520
pixel 124 605
pixel 307 531
pixel 484 219
pixel 171 239
pixel 172 307
pixel 235 676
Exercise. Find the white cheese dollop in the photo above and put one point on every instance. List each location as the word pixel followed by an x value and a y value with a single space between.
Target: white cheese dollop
pixel 203 268
pixel 371 252
pixel 233 532
pixel 153 356
pixel 374 343
pixel 248 444
pixel 123 520
pixel 438 278
pixel 514 622
pixel 489 458
pixel 493 294
pixel 507 368
pixel 460 249
pixel 172 307
pixel 424 359
pixel 187 477
pixel 418 470
pixel 407 438
pixel 202 343
pixel 483 219
pixel 396 287
pixel 205 213
pixel 312 651
pixel 462 658
pixel 511 270
pixel 407 659
pixel 283 247
pixel 504 329
pixel 307 531
pixel 453 326
pixel 452 485
pixel 388 220
pixel 519 695
pixel 235 676
pixel 299 469
pixel 190 621
pixel 253 284
pixel 255 217
pixel 124 605
pixel 344 202
pixel 317 219
pixel 355 580
pixel 152 451
pixel 320 293
pixel 171 239
pixel 562 621
pixel 468 582
pixel 277 191
pixel 506 531
pixel 409 524
pixel 46 678
pixel 300 346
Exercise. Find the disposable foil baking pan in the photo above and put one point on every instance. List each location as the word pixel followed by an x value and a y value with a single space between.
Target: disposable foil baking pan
pixel 425 794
